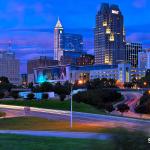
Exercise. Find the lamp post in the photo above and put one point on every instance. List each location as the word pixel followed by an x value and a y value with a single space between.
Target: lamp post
pixel 80 82
pixel 71 106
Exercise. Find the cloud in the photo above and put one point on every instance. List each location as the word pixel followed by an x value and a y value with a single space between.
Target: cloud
pixel 139 3
pixel 141 37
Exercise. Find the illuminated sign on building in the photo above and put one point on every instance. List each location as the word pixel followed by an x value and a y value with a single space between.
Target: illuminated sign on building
pixel 115 12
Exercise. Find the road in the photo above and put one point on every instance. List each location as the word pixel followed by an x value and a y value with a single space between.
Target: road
pixel 131 99
pixel 101 121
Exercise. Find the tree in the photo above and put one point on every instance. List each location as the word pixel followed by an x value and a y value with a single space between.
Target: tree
pixel 4 80
pixel 109 108
pixel 60 90
pixel 2 95
pixel 62 97
pixel 123 108
pixel 46 87
pixel 15 95
pixel 30 96
pixel 45 96
pixel 30 85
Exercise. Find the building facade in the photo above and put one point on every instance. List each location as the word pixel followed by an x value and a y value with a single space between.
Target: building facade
pixel 144 59
pixel 43 61
pixel 109 35
pixel 85 59
pixel 131 53
pixel 122 72
pixel 66 42
pixel 10 67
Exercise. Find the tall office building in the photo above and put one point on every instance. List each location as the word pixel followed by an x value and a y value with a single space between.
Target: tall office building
pixel 109 39
pixel 64 42
pixel 58 41
pixel 131 53
pixel 10 67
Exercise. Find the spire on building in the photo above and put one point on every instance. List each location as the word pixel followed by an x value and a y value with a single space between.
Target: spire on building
pixel 58 24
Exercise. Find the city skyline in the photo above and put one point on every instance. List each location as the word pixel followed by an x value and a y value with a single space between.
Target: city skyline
pixel 21 22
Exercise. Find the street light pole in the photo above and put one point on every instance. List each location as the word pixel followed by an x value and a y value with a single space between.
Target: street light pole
pixel 71 107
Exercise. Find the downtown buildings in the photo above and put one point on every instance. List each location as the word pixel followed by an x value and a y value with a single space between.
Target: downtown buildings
pixel 114 57
pixel 10 67
pixel 66 42
pixel 112 54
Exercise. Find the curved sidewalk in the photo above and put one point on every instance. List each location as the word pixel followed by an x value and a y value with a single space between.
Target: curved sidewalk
pixel 78 135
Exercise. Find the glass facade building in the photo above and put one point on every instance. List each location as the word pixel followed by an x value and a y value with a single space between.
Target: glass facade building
pixel 109 35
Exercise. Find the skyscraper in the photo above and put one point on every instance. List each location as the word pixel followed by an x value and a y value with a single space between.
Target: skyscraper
pixel 58 41
pixel 109 39
pixel 131 53
pixel 66 42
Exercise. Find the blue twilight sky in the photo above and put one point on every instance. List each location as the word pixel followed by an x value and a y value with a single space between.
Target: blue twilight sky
pixel 28 24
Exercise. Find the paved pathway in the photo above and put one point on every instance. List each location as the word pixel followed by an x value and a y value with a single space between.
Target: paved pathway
pixel 78 135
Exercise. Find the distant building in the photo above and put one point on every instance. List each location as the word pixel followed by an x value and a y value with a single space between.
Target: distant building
pixel 24 79
pixel 109 35
pixel 70 57
pixel 85 59
pixel 43 61
pixel 144 59
pixel 131 53
pixel 10 67
pixel 61 73
pixel 65 42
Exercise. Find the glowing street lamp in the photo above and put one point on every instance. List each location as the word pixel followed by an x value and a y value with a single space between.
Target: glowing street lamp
pixel 145 83
pixel 80 82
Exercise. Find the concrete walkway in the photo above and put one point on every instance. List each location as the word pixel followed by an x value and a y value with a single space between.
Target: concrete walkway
pixel 78 135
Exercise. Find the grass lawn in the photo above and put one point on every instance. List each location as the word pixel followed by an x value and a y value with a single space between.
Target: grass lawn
pixel 19 142
pixel 54 104
pixel 33 123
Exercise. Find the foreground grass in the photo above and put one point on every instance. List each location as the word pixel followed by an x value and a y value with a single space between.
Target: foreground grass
pixel 121 139
pixel 33 123
pixel 54 104
pixel 18 142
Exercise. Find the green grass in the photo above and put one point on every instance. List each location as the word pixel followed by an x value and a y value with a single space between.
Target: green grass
pixel 54 104
pixel 20 142
pixel 33 123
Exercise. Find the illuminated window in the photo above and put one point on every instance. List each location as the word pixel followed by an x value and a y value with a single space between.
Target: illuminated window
pixel 112 38
pixel 104 23
pixel 108 30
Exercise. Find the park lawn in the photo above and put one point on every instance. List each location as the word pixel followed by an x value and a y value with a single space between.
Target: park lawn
pixel 54 104
pixel 33 123
pixel 21 142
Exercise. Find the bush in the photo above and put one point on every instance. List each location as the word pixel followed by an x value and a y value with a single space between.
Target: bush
pixel 62 97
pixel 15 95
pixel 45 96
pixel 2 95
pixel 98 98
pixel 2 114
pixel 109 108
pixel 30 96
pixel 123 108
